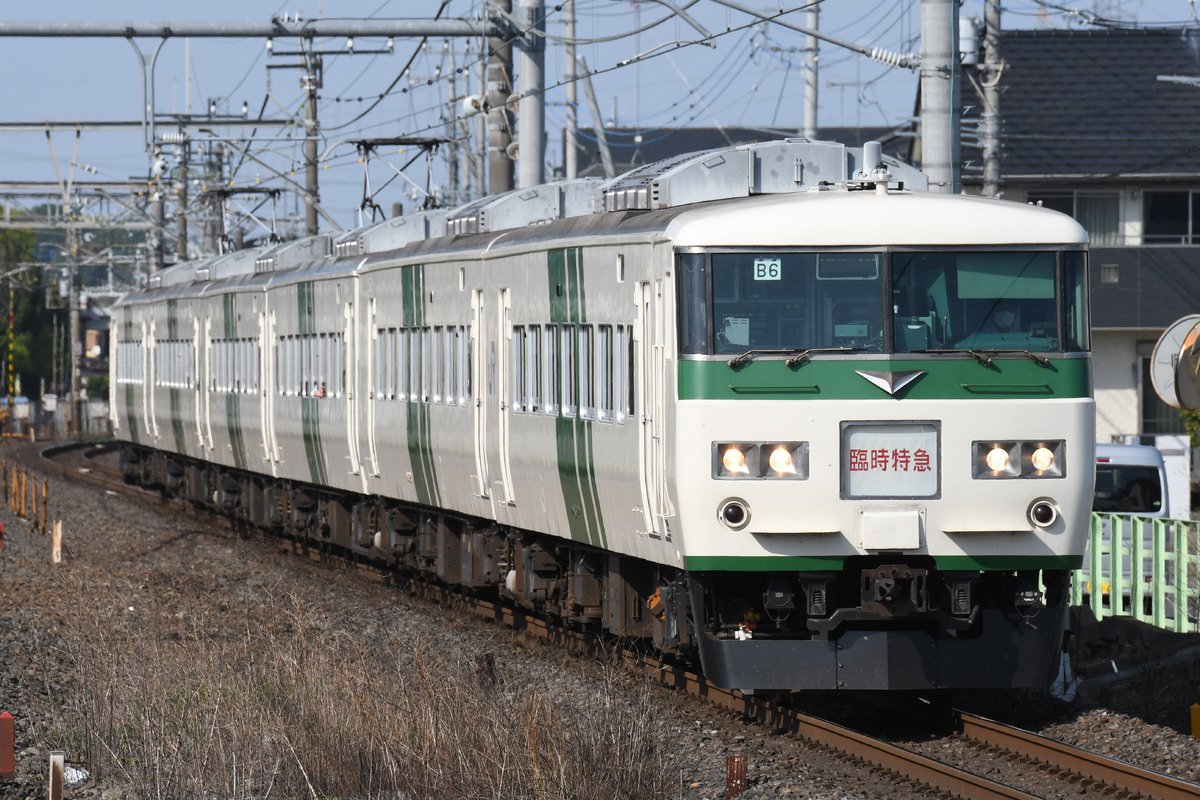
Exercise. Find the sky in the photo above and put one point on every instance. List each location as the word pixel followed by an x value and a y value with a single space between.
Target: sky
pixel 750 75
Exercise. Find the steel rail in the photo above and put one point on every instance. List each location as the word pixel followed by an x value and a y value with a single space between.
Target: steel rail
pixel 1090 766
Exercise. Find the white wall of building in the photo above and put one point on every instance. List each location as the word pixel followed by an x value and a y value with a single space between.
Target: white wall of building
pixel 1115 380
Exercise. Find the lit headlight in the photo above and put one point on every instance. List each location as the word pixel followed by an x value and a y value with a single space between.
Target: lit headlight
pixel 781 461
pixel 1017 459
pixel 734 460
pixel 1042 459
pixel 760 460
pixel 997 459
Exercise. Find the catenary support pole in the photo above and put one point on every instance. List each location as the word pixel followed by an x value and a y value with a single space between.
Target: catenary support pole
pixel 811 59
pixel 531 121
pixel 570 143
pixel 991 98
pixel 940 79
pixel 499 88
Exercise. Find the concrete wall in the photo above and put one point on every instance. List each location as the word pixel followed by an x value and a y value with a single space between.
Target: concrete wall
pixel 1115 380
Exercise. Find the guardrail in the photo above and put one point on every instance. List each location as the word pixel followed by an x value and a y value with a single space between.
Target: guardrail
pixel 1151 572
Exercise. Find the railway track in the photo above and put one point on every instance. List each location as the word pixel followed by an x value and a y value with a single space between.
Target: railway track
pixel 1075 771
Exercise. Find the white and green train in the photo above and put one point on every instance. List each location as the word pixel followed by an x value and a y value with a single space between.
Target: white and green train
pixel 776 408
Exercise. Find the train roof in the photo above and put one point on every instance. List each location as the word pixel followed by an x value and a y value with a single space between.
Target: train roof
pixel 840 218
pixel 792 192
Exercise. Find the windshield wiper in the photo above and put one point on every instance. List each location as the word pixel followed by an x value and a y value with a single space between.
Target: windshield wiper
pixel 980 357
pixel 800 358
pixel 796 357
pixel 1040 360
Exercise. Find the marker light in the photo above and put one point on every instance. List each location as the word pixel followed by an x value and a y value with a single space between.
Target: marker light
pixel 734 460
pixel 997 459
pixel 1043 459
pixel 781 460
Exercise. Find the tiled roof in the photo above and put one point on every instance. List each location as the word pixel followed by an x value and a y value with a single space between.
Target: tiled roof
pixel 1088 105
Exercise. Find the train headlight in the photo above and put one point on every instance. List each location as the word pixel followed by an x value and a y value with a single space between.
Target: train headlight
pixel 994 459
pixel 760 460
pixel 1042 459
pixel 997 459
pixel 781 460
pixel 734 460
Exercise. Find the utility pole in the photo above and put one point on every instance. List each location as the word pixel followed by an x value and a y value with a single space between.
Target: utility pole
pixel 311 82
pixel 571 157
pixel 181 195
pixel 158 222
pixel 940 82
pixel 481 122
pixel 452 188
pixel 499 88
pixel 991 98
pixel 532 121
pixel 810 75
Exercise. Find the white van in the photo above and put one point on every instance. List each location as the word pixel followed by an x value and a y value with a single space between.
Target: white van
pixel 1130 479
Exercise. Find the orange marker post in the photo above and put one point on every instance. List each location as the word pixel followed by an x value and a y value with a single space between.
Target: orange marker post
pixel 8 749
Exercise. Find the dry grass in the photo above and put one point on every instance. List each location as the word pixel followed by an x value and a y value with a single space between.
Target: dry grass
pixel 295 704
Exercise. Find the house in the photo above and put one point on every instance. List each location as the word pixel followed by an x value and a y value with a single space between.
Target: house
pixel 1105 125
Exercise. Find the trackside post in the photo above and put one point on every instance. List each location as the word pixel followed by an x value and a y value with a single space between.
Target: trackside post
pixel 8 741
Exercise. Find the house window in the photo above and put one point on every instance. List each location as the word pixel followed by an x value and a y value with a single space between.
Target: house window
pixel 1098 213
pixel 1170 217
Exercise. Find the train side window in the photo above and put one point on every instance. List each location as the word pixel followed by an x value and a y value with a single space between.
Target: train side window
pixel 518 369
pixel 604 372
pixel 587 373
pixel 414 363
pixel 570 347
pixel 435 365
pixel 426 363
pixel 693 301
pixel 550 371
pixel 534 372
pixel 621 374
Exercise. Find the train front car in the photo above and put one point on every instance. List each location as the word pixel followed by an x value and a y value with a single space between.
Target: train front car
pixel 883 438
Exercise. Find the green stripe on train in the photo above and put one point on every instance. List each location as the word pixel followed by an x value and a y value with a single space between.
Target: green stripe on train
pixel 310 410
pixel 1006 379
pixel 174 392
pixel 233 401
pixel 130 389
pixel 418 429
pixel 576 459
pixel 835 563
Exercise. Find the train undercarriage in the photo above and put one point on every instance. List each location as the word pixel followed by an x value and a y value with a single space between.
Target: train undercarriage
pixel 878 623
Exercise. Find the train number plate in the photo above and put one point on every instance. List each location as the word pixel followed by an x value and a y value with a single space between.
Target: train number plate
pixel 883 459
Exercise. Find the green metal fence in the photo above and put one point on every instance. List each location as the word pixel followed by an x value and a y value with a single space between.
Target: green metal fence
pixel 1149 571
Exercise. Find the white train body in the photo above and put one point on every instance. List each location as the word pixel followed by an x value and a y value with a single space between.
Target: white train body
pixel 550 410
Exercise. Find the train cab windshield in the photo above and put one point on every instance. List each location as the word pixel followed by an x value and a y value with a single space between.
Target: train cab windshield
pixel 883 302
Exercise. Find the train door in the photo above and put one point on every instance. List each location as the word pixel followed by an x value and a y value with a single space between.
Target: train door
pixel 197 363
pixel 478 366
pixel 349 369
pixel 208 383
pixel 650 376
pixel 372 374
pixel 267 406
pixel 270 377
pixel 148 406
pixel 503 383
